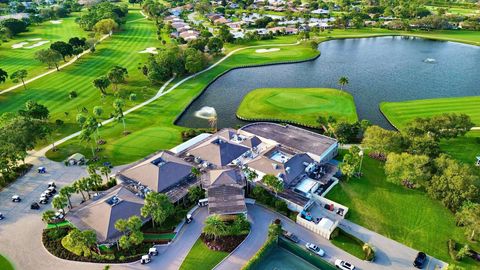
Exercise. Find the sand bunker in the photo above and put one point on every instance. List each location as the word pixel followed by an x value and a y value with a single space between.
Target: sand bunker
pixel 40 43
pixel 19 45
pixel 151 50
pixel 267 50
pixel 56 21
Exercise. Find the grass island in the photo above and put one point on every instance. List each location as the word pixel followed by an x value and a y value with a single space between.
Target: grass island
pixel 297 105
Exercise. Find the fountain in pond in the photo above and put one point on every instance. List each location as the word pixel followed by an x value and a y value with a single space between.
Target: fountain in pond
pixel 206 112
pixel 430 61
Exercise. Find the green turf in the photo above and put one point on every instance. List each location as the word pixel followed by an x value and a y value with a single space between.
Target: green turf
pixel 159 236
pixel 201 257
pixel 465 149
pixel 407 216
pixel 5 264
pixel 58 225
pixel 152 126
pixel 22 58
pixel 299 105
pixel 348 244
pixel 120 49
pixel 401 113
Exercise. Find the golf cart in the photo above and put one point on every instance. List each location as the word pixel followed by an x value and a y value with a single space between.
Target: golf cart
pixel 52 190
pixel 52 184
pixel 34 206
pixel 47 193
pixel 43 199
pixel 42 170
pixel 203 202
pixel 145 259
pixel 16 198
pixel 153 251
pixel 1 216
pixel 189 218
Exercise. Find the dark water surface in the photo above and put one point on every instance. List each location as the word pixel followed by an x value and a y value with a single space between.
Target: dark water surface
pixel 379 69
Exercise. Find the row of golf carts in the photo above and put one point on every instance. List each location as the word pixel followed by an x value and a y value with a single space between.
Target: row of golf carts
pixel 148 258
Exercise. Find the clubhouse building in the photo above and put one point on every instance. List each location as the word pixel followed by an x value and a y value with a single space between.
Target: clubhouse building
pixel 300 159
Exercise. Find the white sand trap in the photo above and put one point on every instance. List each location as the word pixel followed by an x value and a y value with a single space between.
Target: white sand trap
pixel 35 39
pixel 56 21
pixel 151 50
pixel 40 43
pixel 267 50
pixel 19 45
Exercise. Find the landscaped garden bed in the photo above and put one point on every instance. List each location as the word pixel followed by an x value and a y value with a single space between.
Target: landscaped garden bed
pixel 52 240
pixel 18 172
pixel 5 264
pixel 352 245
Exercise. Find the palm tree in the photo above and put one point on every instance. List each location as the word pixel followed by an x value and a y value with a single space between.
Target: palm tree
pixel 118 105
pixel 117 75
pixel 48 216
pixel 77 185
pixel 59 202
pixel 214 226
pixel 343 81
pixel 105 170
pixel 67 192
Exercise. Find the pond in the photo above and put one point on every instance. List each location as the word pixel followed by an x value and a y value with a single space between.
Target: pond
pixel 379 69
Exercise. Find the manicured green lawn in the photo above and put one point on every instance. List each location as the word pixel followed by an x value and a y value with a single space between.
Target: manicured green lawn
pixel 407 216
pixel 348 244
pixel 465 149
pixel 201 257
pixel 152 126
pixel 401 113
pixel 58 225
pixel 23 58
pixel 159 236
pixel 300 105
pixel 120 49
pixel 5 264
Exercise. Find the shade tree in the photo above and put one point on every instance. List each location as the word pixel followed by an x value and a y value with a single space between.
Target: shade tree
pixel 19 75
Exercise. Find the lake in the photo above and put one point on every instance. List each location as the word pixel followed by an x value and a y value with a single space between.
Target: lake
pixel 379 69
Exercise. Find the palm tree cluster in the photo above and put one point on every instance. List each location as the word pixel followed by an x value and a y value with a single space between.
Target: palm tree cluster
pixel 115 76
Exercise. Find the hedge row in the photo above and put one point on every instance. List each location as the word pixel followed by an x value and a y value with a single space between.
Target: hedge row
pixel 261 253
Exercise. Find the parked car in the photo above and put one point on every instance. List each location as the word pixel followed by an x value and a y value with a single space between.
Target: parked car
pixel 145 259
pixel 320 252
pixel 290 236
pixel 420 260
pixel 16 198
pixel 34 206
pixel 341 264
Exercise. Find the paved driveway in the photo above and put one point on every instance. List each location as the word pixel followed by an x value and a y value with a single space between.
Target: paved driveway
pixel 390 254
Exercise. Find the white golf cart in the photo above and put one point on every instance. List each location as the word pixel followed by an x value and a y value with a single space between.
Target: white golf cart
pixel 189 218
pixel 145 259
pixel 16 198
pixel 153 251
pixel 1 216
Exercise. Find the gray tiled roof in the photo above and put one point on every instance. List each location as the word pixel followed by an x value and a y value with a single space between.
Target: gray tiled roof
pixel 219 151
pixel 159 172
pixel 226 200
pixel 295 164
pixel 101 214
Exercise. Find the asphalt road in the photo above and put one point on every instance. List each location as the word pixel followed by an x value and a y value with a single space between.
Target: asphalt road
pixel 21 230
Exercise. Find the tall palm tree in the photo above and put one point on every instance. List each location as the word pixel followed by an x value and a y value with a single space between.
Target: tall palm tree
pixel 343 81
pixel 118 105
pixel 48 216
pixel 67 192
